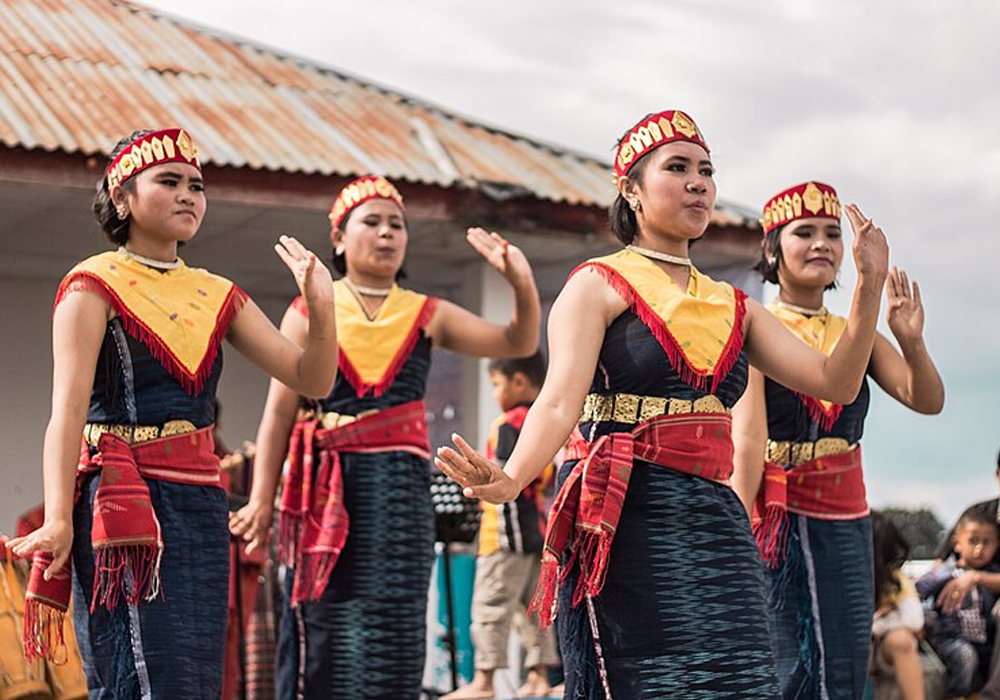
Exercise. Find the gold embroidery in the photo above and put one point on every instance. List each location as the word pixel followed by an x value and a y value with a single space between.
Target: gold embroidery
pixel 632 408
pixel 788 452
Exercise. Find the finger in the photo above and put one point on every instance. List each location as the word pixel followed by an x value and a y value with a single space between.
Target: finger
pixel 905 283
pixel 892 285
pixel 285 256
pixel 916 295
pixel 854 216
pixel 479 240
pixel 56 566
pixel 492 493
pixel 293 244
pixel 482 466
pixel 310 265
pixel 454 466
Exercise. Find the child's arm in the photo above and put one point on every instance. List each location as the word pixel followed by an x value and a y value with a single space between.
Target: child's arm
pixel 954 591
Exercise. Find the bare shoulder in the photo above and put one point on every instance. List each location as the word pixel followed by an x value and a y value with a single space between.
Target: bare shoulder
pixel 588 290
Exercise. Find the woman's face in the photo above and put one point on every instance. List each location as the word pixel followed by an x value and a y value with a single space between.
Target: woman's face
pixel 811 252
pixel 168 202
pixel 373 239
pixel 676 192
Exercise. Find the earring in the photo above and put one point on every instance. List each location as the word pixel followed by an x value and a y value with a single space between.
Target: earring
pixel 122 212
pixel 339 250
pixel 634 204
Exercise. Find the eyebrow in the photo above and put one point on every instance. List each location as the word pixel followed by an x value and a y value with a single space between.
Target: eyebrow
pixel 685 159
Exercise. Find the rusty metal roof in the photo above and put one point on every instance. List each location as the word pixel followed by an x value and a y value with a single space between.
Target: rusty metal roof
pixel 75 75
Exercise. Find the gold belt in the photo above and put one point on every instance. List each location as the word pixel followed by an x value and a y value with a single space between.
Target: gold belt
pixel 788 452
pixel 632 408
pixel 133 434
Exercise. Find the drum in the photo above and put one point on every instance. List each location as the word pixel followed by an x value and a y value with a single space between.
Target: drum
pixel 19 680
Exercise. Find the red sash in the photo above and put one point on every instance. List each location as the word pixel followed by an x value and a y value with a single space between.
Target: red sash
pixel 125 535
pixel 590 502
pixel 825 488
pixel 314 523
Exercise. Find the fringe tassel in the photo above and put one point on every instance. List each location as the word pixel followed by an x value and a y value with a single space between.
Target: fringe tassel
pixel 131 572
pixel 402 355
pixel 592 548
pixel 192 383
pixel 43 632
pixel 825 418
pixel 698 379
pixel 771 533
pixel 543 603
pixel 289 532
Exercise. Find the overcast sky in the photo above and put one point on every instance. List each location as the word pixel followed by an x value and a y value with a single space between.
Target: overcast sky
pixel 895 103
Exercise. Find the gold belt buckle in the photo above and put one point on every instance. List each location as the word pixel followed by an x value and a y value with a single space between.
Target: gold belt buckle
pixel 332 421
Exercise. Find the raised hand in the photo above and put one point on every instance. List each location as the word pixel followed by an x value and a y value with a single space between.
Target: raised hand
pixel 312 277
pixel 54 537
pixel 871 251
pixel 507 259
pixel 905 314
pixel 480 477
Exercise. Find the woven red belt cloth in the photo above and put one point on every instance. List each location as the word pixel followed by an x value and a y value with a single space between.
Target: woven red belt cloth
pixel 826 488
pixel 313 521
pixel 125 535
pixel 591 499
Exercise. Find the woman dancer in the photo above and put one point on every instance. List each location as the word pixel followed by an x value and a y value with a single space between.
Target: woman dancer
pixel 357 523
pixel 661 593
pixel 812 520
pixel 137 358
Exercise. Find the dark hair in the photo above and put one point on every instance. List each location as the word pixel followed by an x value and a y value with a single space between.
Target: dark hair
pixel 115 229
pixel 621 217
pixel 890 551
pixel 532 367
pixel 978 514
pixel 771 257
pixel 339 260
pixel 998 462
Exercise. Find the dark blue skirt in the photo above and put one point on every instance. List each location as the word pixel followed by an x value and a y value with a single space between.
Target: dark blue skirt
pixel 171 647
pixel 682 613
pixel 366 635
pixel 821 604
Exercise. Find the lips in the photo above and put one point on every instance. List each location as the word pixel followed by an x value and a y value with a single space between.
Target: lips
pixel 698 206
pixel 189 212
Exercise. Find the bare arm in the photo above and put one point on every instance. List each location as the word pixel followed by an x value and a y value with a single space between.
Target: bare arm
pixel 78 328
pixel 253 522
pixel 310 369
pixel 780 355
pixel 911 377
pixel 579 319
pixel 750 440
pixel 458 330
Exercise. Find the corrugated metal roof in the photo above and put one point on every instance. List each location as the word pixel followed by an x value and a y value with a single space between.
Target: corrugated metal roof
pixel 75 75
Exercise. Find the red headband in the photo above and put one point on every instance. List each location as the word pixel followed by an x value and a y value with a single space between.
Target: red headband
pixel 359 191
pixel 805 201
pixel 652 132
pixel 163 146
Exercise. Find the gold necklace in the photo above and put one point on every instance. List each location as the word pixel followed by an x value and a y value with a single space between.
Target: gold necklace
pixel 657 255
pixel 150 262
pixel 821 311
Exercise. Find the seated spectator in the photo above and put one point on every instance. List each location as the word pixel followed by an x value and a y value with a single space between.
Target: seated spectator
pixel 962 592
pixel 899 617
pixel 992 505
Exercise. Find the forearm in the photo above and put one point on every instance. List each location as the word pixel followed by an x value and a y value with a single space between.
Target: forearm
pixel 845 368
pixel 522 332
pixel 924 388
pixel 546 427
pixel 59 462
pixel 316 370
pixel 987 579
pixel 272 447
pixel 748 472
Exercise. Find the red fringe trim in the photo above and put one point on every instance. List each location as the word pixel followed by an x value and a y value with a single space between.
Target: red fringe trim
pixel 192 383
pixel 698 379
pixel 819 414
pixel 43 632
pixel 544 601
pixel 771 533
pixel 131 572
pixel 350 373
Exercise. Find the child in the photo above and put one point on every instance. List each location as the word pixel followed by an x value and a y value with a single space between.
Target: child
pixel 510 545
pixel 963 633
pixel 899 617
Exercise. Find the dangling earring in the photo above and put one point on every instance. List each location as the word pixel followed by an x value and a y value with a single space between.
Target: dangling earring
pixel 122 212
pixel 635 204
pixel 338 250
